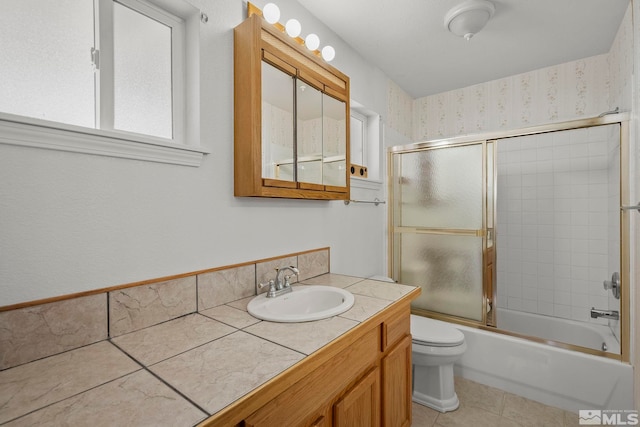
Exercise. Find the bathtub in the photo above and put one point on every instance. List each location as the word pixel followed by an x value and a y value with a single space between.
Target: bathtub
pixel 584 334
pixel 566 379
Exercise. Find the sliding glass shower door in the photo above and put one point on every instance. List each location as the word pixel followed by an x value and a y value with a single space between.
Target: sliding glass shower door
pixel 439 227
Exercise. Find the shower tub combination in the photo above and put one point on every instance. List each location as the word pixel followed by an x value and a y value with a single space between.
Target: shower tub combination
pixel 526 220
pixel 555 376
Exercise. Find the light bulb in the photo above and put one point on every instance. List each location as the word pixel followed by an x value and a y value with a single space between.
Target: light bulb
pixel 271 13
pixel 293 28
pixel 328 53
pixel 312 41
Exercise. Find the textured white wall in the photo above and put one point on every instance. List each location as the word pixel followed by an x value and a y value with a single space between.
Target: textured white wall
pixel 73 222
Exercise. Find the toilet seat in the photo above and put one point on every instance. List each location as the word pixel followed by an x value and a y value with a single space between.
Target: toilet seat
pixel 434 333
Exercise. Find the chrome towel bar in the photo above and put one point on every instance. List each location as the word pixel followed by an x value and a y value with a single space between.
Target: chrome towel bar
pixel 375 201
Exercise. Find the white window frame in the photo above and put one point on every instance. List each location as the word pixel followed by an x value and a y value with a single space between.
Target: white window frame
pixel 183 149
pixel 363 143
pixel 372 143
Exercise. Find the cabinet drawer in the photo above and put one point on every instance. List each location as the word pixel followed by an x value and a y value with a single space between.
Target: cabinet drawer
pixel 395 328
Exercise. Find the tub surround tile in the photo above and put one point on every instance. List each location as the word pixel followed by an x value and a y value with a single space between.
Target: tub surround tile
pixel 142 306
pixel 150 345
pixel 313 264
pixel 34 385
pixel 305 337
pixel 364 307
pixel 134 400
pixel 378 289
pixel 216 374
pixel 331 279
pixel 31 333
pixel 223 286
pixel 238 318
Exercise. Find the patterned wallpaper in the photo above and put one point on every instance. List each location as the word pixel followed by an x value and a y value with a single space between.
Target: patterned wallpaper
pixel 558 93
pixel 573 90
pixel 399 110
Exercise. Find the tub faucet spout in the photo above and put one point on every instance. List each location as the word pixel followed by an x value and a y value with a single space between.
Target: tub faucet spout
pixel 607 314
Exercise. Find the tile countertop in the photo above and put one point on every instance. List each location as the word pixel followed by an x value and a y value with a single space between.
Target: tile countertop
pixel 212 358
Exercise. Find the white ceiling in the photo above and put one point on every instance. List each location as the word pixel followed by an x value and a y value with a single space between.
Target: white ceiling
pixel 407 39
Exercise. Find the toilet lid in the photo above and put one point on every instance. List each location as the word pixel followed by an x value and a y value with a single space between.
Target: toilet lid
pixel 435 333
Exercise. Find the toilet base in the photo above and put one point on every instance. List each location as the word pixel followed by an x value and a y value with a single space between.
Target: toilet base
pixel 433 386
pixel 441 405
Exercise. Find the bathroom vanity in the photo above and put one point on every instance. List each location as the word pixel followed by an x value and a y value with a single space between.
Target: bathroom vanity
pixel 361 378
pixel 217 365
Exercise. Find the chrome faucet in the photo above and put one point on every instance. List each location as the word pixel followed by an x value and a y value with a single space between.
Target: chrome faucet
pixel 278 286
pixel 607 314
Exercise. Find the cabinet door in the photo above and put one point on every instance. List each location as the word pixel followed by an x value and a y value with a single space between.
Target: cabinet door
pixel 396 385
pixel 360 406
pixel 334 142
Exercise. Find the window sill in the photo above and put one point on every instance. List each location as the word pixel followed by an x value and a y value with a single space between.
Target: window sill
pixel 76 139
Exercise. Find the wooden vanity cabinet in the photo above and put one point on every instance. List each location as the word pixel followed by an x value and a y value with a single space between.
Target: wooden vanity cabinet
pixel 361 379
pixel 283 166
pixel 360 405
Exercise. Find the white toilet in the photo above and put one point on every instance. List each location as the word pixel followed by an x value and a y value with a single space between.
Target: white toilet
pixel 436 346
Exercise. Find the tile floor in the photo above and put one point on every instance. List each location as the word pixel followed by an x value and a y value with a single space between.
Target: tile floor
pixel 483 406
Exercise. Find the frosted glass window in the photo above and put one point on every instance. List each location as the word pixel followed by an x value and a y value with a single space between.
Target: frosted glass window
pixel 45 70
pixel 142 73
pixel 449 271
pixel 100 64
pixel 442 188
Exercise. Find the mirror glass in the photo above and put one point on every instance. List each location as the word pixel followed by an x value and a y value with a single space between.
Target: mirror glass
pixel 309 132
pixel 277 124
pixel 334 115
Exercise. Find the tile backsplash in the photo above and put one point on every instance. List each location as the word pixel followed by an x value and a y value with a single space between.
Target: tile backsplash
pixel 37 331
pixel 31 333
pixel 223 286
pixel 147 305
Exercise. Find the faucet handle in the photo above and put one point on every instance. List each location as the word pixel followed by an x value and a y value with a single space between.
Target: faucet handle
pixel 272 287
pixel 287 282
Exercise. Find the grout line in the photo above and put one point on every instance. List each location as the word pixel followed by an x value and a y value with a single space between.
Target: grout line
pixel 145 368
pixel 108 315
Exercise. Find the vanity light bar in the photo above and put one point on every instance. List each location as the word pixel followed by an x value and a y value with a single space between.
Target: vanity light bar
pixel 271 14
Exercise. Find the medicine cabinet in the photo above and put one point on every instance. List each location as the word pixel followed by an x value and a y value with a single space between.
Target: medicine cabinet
pixel 291 118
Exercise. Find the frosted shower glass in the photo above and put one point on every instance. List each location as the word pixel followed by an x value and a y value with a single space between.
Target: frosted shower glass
pixel 142 74
pixel 45 71
pixel 442 188
pixel 449 271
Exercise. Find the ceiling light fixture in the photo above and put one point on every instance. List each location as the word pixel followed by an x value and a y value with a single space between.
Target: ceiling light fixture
pixel 466 19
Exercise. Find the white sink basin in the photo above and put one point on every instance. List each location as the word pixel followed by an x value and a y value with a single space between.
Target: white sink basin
pixel 302 304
